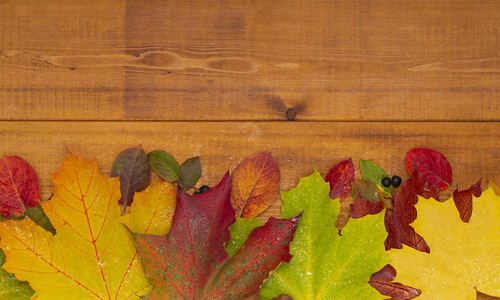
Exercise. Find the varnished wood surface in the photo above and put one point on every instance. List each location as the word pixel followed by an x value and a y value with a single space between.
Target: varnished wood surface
pixel 250 60
pixel 223 80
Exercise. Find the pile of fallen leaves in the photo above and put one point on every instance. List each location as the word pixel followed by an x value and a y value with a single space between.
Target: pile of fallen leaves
pixel 131 237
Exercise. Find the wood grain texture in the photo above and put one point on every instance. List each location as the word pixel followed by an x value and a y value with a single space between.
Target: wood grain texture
pixel 250 60
pixel 365 79
pixel 473 149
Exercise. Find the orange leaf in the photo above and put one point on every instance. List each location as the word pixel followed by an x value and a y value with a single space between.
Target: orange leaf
pixel 255 184
pixel 93 255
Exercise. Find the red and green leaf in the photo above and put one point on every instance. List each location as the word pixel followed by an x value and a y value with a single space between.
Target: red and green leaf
pixel 382 281
pixel 132 168
pixel 340 177
pixel 373 173
pixel 19 187
pixel 255 185
pixel 463 200
pixel 191 262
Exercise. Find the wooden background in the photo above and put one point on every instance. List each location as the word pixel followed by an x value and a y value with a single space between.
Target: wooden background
pixel 312 82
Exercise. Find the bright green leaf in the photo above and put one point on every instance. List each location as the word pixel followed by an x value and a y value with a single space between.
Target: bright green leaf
pixel 164 165
pixel 190 173
pixel 10 287
pixel 326 265
pixel 240 230
pixel 371 172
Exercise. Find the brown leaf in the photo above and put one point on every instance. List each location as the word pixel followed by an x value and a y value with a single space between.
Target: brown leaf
pixel 382 282
pixel 463 200
pixel 340 178
pixel 255 184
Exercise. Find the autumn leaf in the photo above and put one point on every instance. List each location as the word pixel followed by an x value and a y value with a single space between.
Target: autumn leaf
pixel 398 220
pixel 240 230
pixel 190 173
pixel 373 173
pixel 340 177
pixel 383 282
pixel 92 256
pixel 132 168
pixel 19 187
pixel 430 173
pixel 463 200
pixel 10 287
pixel 433 166
pixel 255 184
pixel 362 207
pixel 464 257
pixel 164 165
pixel 367 190
pixel 191 262
pixel 326 265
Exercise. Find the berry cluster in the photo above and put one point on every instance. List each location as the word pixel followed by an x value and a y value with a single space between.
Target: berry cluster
pixel 395 181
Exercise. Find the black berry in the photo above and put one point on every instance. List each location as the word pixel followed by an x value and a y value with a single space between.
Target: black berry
pixel 386 181
pixel 204 188
pixel 196 193
pixel 396 181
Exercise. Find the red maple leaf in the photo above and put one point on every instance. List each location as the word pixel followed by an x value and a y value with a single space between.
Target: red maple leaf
pixel 404 213
pixel 191 263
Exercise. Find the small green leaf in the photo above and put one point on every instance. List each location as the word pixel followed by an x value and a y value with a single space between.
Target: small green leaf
pixel 190 173
pixel 164 165
pixel 240 230
pixel 10 287
pixel 40 218
pixel 371 172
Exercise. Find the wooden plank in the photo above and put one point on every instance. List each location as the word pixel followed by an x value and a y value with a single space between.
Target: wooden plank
pixel 33 33
pixel 250 60
pixel 473 149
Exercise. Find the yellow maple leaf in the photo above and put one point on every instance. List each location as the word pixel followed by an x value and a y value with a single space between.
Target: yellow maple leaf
pixel 464 257
pixel 93 255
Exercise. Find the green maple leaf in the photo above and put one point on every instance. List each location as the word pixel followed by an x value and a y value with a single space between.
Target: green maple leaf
pixel 240 230
pixel 326 265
